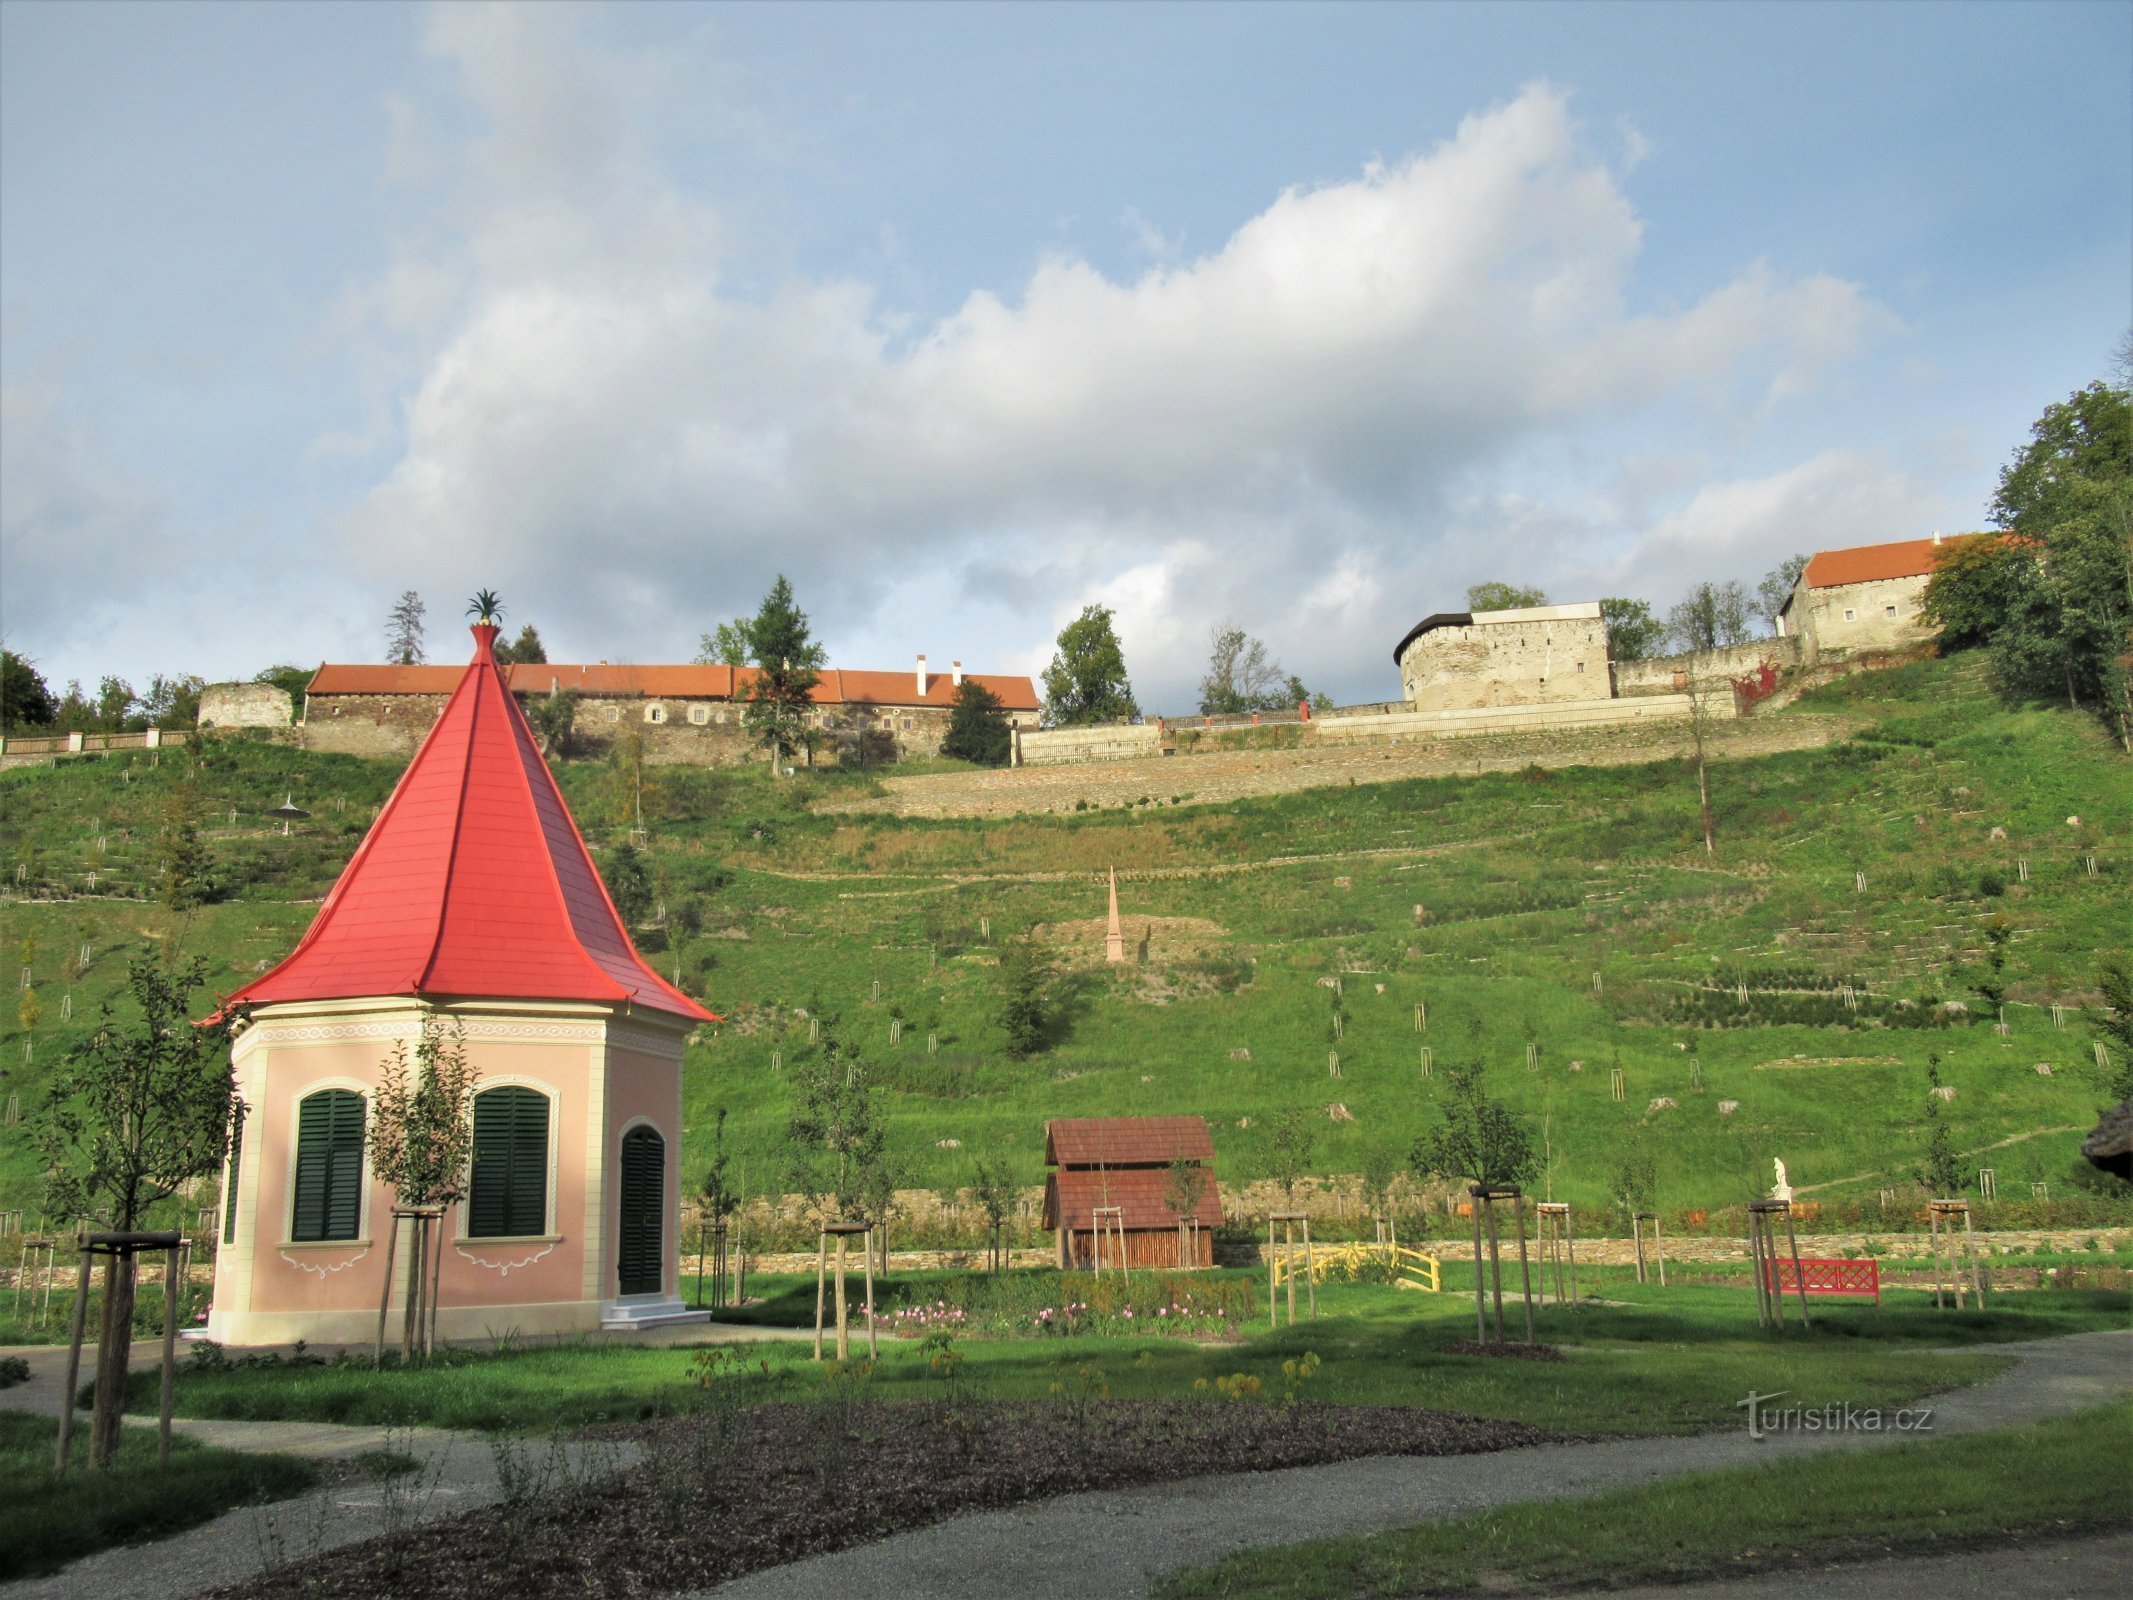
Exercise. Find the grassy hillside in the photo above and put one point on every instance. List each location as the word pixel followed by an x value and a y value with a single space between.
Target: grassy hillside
pixel 1725 971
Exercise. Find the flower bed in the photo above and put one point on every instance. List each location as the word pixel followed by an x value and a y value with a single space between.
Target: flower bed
pixel 1057 1305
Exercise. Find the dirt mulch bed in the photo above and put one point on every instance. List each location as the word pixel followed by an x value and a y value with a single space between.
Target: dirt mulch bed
pixel 1508 1350
pixel 719 1495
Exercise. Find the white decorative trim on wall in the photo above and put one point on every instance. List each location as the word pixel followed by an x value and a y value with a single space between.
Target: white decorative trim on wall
pixel 324 1272
pixel 505 1268
pixel 659 1042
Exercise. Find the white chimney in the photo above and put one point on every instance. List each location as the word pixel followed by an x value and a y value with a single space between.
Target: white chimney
pixel 1936 536
pixel 922 677
pixel 955 673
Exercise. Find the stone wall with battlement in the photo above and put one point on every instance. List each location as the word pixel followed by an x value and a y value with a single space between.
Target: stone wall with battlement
pixel 1674 674
pixel 245 705
pixel 1545 655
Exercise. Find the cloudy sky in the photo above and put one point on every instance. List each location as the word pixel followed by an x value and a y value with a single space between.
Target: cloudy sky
pixel 965 317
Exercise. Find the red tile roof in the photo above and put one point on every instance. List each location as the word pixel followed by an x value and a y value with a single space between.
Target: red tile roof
pixel 1871 563
pixel 1071 1197
pixel 837 686
pixel 1126 1141
pixel 473 882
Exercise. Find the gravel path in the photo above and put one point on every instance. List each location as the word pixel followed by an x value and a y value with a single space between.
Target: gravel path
pixel 2070 1569
pixel 1108 1546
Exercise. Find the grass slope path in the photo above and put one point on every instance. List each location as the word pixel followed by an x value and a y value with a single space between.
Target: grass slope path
pixel 1110 1545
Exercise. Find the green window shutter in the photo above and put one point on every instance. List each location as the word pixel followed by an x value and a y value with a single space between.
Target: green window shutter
pixel 229 1198
pixel 638 1257
pixel 329 1166
pixel 509 1193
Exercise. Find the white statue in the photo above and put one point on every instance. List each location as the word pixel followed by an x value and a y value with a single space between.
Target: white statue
pixel 1781 1190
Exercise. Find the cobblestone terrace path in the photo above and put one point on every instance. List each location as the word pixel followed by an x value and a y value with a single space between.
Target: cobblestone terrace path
pixel 1230 775
pixel 1109 1545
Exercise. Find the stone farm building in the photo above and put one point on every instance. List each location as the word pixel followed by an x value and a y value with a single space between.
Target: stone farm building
pixel 1863 599
pixel 471 904
pixel 1125 1162
pixel 688 713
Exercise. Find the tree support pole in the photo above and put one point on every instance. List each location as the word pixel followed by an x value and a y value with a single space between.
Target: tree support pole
pixel 66 1398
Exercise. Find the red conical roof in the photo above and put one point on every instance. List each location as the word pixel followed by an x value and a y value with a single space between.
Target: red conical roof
pixel 473 882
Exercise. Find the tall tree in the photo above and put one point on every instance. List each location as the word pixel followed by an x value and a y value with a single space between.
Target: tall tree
pixel 2114 1026
pixel 1241 675
pixel 856 734
pixel 554 718
pixel 1776 588
pixel 403 630
pixel 788 666
pixel 1711 616
pixel 977 728
pixel 629 885
pixel 1495 596
pixel 527 647
pixel 1975 586
pixel 1633 633
pixel 183 864
pixel 1086 682
pixel 726 645
pixel 26 700
pixel 133 1115
pixel 292 680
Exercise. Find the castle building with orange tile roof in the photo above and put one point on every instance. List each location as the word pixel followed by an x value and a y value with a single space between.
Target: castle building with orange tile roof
pixel 1864 599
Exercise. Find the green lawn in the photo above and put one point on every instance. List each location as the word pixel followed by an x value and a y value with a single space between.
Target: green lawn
pixel 1658 1363
pixel 2065 1476
pixel 50 1522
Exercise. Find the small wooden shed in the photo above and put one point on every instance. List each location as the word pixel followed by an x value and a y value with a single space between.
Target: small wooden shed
pixel 1099 1163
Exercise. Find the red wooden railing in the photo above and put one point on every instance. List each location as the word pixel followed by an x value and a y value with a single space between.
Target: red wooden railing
pixel 1826 1277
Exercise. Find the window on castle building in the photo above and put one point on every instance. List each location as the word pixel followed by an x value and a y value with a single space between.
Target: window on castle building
pixel 329 1166
pixel 910 723
pixel 614 713
pixel 508 1195
pixel 655 713
pixel 700 715
pixel 1581 666
pixel 1850 615
pixel 1888 611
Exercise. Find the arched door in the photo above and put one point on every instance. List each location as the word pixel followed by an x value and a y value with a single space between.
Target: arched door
pixel 644 1174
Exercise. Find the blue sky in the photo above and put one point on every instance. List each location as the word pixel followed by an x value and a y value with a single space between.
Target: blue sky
pixel 1301 316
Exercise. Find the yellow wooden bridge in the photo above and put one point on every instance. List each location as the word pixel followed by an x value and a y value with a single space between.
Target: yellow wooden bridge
pixel 1411 1268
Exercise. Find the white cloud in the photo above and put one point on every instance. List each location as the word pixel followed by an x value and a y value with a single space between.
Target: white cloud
pixel 1312 429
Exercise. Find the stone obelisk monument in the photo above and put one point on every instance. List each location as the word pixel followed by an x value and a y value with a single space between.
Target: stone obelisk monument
pixel 1114 935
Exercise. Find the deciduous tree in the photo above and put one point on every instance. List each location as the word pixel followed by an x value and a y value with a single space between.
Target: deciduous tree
pixel 419 1138
pixel 1478 1139
pixel 1086 682
pixel 726 645
pixel 526 648
pixel 835 1136
pixel 26 700
pixel 1290 1139
pixel 1242 676
pixel 1495 596
pixel 1633 633
pixel 1776 588
pixel 133 1115
pixel 1710 616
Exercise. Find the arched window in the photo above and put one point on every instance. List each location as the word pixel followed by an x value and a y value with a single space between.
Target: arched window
pixel 508 1197
pixel 329 1166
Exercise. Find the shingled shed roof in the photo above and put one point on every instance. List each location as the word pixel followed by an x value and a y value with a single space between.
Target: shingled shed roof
pixel 473 882
pixel 1126 1141
pixel 1070 1198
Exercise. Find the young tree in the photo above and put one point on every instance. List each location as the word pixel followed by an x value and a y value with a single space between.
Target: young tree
pixel 1026 1009
pixel 1290 1138
pixel 1710 695
pixel 726 645
pixel 788 666
pixel 403 630
pixel 133 1115
pixel 1633 633
pixel 1479 1139
pixel 1634 1183
pixel 994 1189
pixel 1086 682
pixel 977 729
pixel 1381 1171
pixel 1990 985
pixel 1776 588
pixel 629 885
pixel 834 1137
pixel 1242 677
pixel 2114 1028
pixel 633 790
pixel 1711 616
pixel 1941 1172
pixel 183 865
pixel 420 1141
pixel 26 700
pixel 1494 596
pixel 526 648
